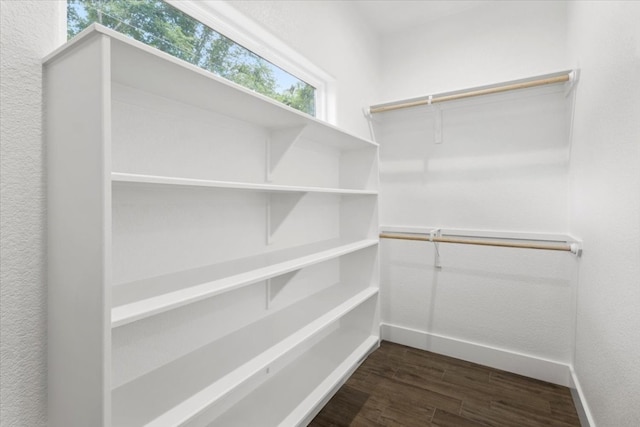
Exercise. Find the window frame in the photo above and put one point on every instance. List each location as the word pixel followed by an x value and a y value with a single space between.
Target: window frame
pixel 231 23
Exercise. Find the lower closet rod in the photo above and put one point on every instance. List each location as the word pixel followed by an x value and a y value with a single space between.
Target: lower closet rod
pixel 568 247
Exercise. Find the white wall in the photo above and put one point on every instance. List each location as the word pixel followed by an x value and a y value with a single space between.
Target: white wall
pixel 499 42
pixel 604 39
pixel 333 36
pixel 603 209
pixel 29 31
pixel 502 165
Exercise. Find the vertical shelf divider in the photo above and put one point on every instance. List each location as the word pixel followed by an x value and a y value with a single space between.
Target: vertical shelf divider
pixel 279 143
pixel 77 89
pixel 279 206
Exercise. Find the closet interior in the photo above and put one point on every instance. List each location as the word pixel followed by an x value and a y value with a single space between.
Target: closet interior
pixel 234 243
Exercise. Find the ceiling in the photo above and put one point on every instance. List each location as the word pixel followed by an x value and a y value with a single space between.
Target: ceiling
pixel 388 16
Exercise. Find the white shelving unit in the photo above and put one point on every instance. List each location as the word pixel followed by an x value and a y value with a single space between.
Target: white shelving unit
pixel 213 255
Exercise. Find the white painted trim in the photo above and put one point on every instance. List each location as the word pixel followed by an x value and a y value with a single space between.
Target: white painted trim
pixel 523 364
pixel 580 401
pixel 227 20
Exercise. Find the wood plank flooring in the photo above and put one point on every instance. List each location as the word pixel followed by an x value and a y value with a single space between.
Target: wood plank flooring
pixel 402 386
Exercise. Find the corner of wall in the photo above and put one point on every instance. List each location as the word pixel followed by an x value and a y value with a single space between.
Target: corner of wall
pixel 604 39
pixel 580 402
pixel 30 30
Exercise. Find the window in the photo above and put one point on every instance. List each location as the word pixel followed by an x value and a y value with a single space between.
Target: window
pixel 162 26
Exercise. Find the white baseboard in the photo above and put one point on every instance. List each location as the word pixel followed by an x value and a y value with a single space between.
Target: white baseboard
pixel 518 363
pixel 586 420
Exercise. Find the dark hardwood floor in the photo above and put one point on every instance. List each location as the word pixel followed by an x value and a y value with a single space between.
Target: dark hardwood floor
pixel 402 386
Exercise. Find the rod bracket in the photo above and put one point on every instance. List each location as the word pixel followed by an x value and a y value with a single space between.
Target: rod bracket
pixel 366 111
pixel 576 249
pixel 436 232
pixel 574 76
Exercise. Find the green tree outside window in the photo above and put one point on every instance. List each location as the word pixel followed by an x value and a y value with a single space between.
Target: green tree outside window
pixel 162 26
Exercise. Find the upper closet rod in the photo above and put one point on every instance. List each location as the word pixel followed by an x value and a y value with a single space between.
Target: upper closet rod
pixel 568 247
pixel 546 80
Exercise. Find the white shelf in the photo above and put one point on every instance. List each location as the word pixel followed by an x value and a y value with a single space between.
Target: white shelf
pixel 118 177
pixel 132 62
pixel 179 385
pixel 145 298
pixel 322 393
pixel 332 359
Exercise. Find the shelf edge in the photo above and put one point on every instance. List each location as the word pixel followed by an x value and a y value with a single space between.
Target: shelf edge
pixel 129 178
pixel 304 412
pixel 129 313
pixel 193 406
pixel 98 29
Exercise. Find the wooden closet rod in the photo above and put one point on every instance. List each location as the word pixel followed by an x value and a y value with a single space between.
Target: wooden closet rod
pixel 469 94
pixel 568 247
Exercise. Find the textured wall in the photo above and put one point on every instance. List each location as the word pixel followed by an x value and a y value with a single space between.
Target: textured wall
pixel 333 36
pixel 605 204
pixel 29 30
